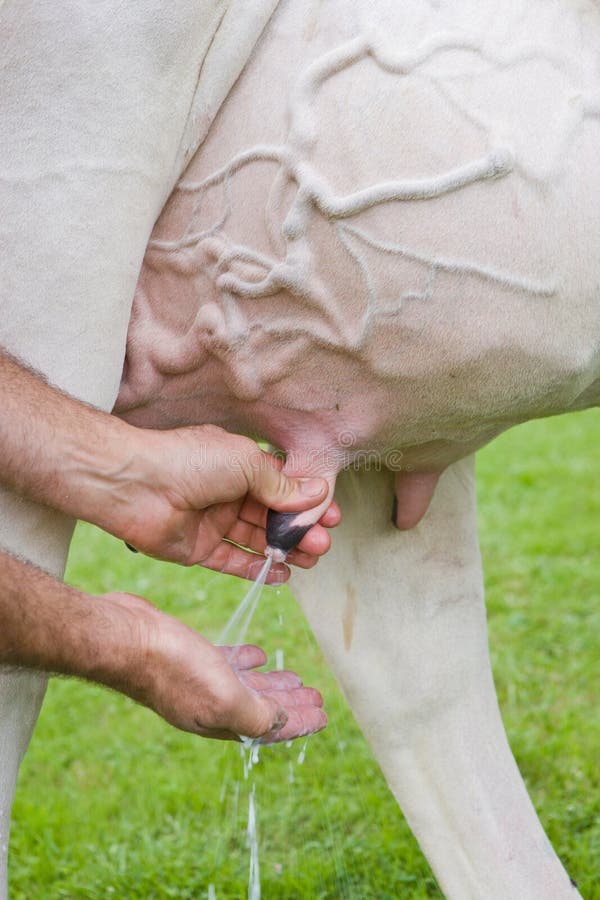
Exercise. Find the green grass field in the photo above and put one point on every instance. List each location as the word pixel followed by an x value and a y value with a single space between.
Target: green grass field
pixel 114 803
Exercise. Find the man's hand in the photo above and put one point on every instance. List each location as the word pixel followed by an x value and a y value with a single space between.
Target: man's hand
pixel 201 495
pixel 124 642
pixel 211 691
pixel 190 495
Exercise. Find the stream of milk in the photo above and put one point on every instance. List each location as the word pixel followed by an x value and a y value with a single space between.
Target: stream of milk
pixel 254 877
pixel 234 633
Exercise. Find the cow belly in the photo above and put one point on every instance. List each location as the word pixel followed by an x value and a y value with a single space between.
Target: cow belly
pixel 388 238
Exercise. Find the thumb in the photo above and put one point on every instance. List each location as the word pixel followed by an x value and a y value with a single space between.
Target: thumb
pixel 276 490
pixel 259 715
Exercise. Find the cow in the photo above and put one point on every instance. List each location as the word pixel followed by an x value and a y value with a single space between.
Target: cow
pixel 359 231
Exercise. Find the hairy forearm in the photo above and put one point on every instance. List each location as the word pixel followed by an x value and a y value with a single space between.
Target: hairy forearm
pixel 52 627
pixel 177 494
pixel 57 450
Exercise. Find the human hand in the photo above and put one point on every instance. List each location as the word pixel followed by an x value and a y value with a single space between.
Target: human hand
pixel 200 495
pixel 207 690
pixel 189 495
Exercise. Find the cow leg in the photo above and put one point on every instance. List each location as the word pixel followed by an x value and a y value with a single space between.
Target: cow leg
pixel 41 535
pixel 94 135
pixel 401 619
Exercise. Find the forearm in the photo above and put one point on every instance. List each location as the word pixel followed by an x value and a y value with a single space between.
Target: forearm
pixel 124 642
pixel 147 486
pixel 52 627
pixel 56 450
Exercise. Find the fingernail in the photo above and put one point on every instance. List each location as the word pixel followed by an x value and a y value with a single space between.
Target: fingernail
pixel 395 512
pixel 280 720
pixel 278 576
pixel 311 487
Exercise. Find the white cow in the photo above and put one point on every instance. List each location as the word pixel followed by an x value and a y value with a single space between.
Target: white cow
pixel 377 232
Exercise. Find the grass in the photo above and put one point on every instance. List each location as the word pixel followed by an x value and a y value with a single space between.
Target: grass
pixel 112 802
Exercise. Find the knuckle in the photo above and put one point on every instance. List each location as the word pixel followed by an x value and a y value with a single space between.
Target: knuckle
pixel 283 485
pixel 264 721
pixel 214 432
pixel 188 558
pixel 176 555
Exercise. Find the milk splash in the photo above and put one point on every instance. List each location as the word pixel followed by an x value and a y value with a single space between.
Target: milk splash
pixel 252 837
pixel 234 633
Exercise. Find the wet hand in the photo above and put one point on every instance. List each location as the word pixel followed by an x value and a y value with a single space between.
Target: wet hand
pixel 211 691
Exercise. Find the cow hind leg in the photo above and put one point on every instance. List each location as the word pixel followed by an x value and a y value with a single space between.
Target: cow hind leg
pixel 401 619
pixel 81 203
pixel 21 696
pixel 41 536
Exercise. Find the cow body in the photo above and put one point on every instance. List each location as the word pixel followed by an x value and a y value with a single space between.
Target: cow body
pixel 385 242
pixel 380 238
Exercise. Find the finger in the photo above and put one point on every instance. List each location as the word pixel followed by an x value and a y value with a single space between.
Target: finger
pixel 244 656
pixel 315 543
pixel 270 681
pixel 279 573
pixel 301 560
pixel 211 527
pixel 267 713
pixel 248 535
pixel 275 490
pixel 256 714
pixel 332 516
pixel 254 512
pixel 302 721
pixel 301 696
pixel 413 494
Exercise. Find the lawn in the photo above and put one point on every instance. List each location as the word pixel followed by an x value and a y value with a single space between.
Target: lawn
pixel 114 803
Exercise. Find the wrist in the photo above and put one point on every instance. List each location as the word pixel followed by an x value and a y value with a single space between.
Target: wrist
pixel 119 650
pixel 56 628
pixel 148 655
pixel 104 473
